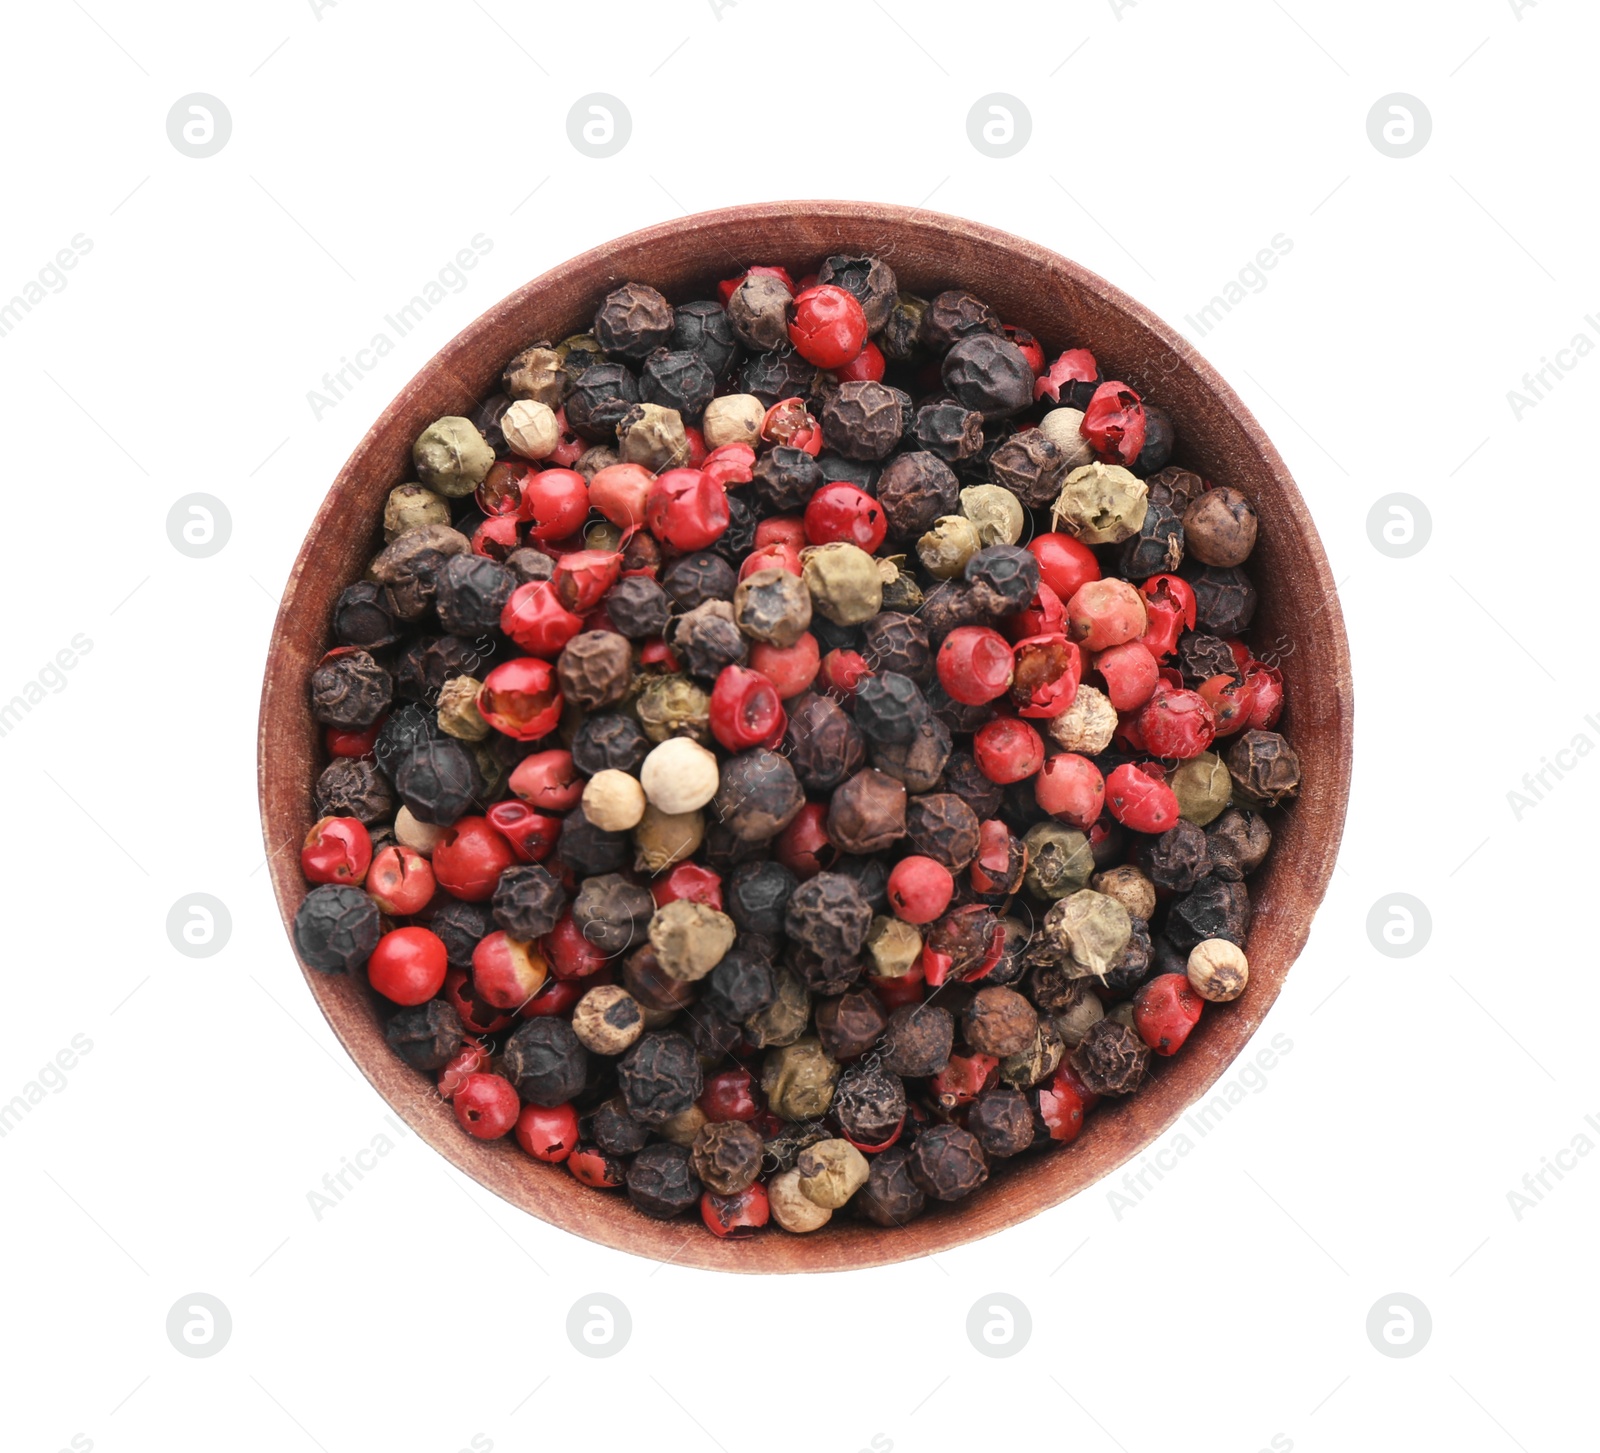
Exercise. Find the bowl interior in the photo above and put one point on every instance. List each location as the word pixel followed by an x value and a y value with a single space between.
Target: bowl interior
pixel 1298 624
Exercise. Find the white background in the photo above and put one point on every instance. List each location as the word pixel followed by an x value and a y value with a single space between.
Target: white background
pixel 1170 142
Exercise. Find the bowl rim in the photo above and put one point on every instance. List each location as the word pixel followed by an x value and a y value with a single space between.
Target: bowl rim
pixel 572 1208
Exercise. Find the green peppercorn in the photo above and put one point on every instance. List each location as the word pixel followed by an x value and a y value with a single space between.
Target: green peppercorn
pixel 844 582
pixel 451 456
pixel 1077 1014
pixel 945 549
pixel 1203 788
pixel 830 1172
pixel 798 1080
pixel 673 706
pixel 1100 504
pixel 652 436
pixel 997 513
pixel 1093 928
pixel 458 710
pixel 1060 860
pixel 410 505
pixel 784 1020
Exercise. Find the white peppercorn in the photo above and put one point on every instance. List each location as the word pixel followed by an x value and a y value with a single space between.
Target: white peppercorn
pixel 531 429
pixel 733 419
pixel 411 832
pixel 608 1019
pixel 613 800
pixel 679 776
pixel 1064 428
pixel 791 1207
pixel 1218 970
pixel 1087 726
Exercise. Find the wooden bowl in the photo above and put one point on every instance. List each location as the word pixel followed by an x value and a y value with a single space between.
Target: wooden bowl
pixel 1298 622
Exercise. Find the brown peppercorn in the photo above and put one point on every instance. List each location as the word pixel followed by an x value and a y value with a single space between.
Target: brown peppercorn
pixel 351 787
pixel 944 828
pixel 916 764
pixel 759 312
pixel 690 938
pixel 870 1104
pixel 405 567
pixel 1219 527
pixel 614 1130
pixel 914 489
pixel 1111 1059
pixel 652 986
pixel 822 742
pixel 820 975
pixel 798 1080
pixel 1176 859
pixel 989 373
pixel 759 795
pixel 999 1021
pixel 610 912
pixel 891 1197
pixel 1129 887
pixel 949 605
pixel 862 420
pixel 952 315
pixel 1238 842
pixel 829 915
pixel 727 1156
pixel 830 1172
pixel 528 566
pixel 1031 467
pixel 1224 599
pixel 772 606
pixel 652 436
pixel 350 691
pixel 949 429
pixel 1212 909
pixel 850 1025
pixel 948 1162
pixel 785 1019
pixel 594 669
pixel 867 813
pixel 1038 1061
pixel 1001 1121
pixel 892 641
pixel 1175 488
pixel 963 776
pixel 607 1020
pixel 1202 656
pixel 1265 767
pixel 708 639
pixel 536 373
pixel 632 321
pixel 661 1183
pixel 917 1040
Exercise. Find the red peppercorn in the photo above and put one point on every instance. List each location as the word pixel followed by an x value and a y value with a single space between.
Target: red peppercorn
pixel 1130 673
pixel 725 288
pixel 1066 565
pixel 1076 365
pixel 782 529
pixel 582 577
pixel 745 710
pixel 1045 675
pixel 1114 423
pixel 1164 1011
pixel 993 870
pixel 559 995
pixel 1027 345
pixel 1061 1106
pixel 477 1015
pixel 501 490
pixel 730 464
pixel 843 512
pixel 506 971
pixel 803 847
pixel 963 1078
pixel 691 883
pixel 472 1057
pixel 1176 724
pixel 555 502
pixel 532 835
pixel 1139 798
pixel 342 743
pixel 789 668
pixel 920 889
pixel 686 509
pixel 789 423
pixel 657 653
pixel 729 1095
pixel 1007 750
pixel 520 698
pixel 570 954
pixel 486 1106
pixel 400 881
pixel 537 621
pixel 469 858
pixel 497 537
pixel 1044 615
pixel 408 965
pixel 1266 695
pixel 548 1133
pixel 1230 701
pixel 548 781
pixel 841 673
pixel 336 850
pixel 780 555
pixel 974 664
pixel 828 327
pixel 593 1167
pixel 1071 788
pixel 883 1144
pixel 1170 606
pixel 619 492
pixel 866 367
pixel 736 1216
pixel 1105 613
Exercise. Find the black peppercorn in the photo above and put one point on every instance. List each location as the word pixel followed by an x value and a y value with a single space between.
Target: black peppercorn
pixel 917 1040
pixel 918 763
pixel 1264 767
pixel 1202 656
pixel 740 985
pixel 784 480
pixel 528 901
pixel 1158 547
pixel 1002 578
pixel 828 914
pixel 460 926
pixel 610 912
pixel 723 851
pixel 870 1103
pixel 613 1129
pixel 758 310
pixel 695 578
pixel 890 708
pixel 869 280
pixel 638 607
pixel 1030 466
pixel 953 315
pixel 727 1156
pixel 832 636
pixel 1173 487
pixel 1238 842
pixel 361 617
pixel 603 393
pixel 1159 438
pixel 702 327
pixel 633 321
pixel 1225 600
pixel 1177 858
pixel 891 1197
pixel 989 374
pixel 867 813
pixel 545 1061
pixel 1111 1059
pixel 820 975
pixel 849 1025
pixel 588 849
pixel 756 895
pixel 948 1162
pixel 759 795
pixel 891 641
pixel 949 429
pixel 469 593
pixel 739 539
pixel 528 566
pixel 351 787
pixel 914 489
pixel 336 928
pixel 1001 1121
pixel 1213 908
pixel 823 744
pixel 948 606
pixel 780 373
pixel 423 667
pixel 437 779
pixel 965 778
pixel 609 741
pixel 659 1077
pixel 661 1182
pixel 943 827
pixel 680 380
pixel 487 416
pixel 350 691
pixel 1134 963
pixel 425 1036
pixel 862 420
pixel 966 936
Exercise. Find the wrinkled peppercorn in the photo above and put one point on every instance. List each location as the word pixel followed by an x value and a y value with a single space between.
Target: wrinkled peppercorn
pixel 758 309
pixel 727 1156
pixel 1132 965
pixel 1220 526
pixel 1225 600
pixel 772 606
pixel 1002 578
pixel 1031 467
pixel 870 1104
pixel 916 764
pixel 891 1197
pixel 609 741
pixel 917 1040
pixel 990 374
pixel 361 617
pixel 953 315
pixel 784 480
pixel 470 591
pixel 944 828
pixel 785 1019
pixel 528 901
pixel 949 429
pixel 965 778
pixel 424 666
pixel 425 1036
pixel 594 669
pixel 867 813
pixel 862 420
pixel 756 896
pixel 1238 842
pixel 829 915
pixel 1264 766
pixel 661 1181
pixel 915 489
pixel 545 1061
pixel 459 926
pixel 869 280
pixel 1202 656
pixel 740 986
pixel 892 641
pixel 1112 1059
pixel 336 928
pixel 588 849
pixel 823 744
pixel 350 691
pixel 1176 859
pixel 1156 549
pixel 614 1130
pixel 681 380
pixel 759 795
pixel 780 373
pixel 889 708
pixel 438 779
pixel 707 639
pixel 999 1021
pixel 638 607
pixel 603 393
pixel 1001 1122
pixel 673 706
pixel 948 1162
pixel 1214 908
pixel 633 321
pixel 798 1080
pixel 610 912
pixel 849 1025
pixel 702 327
pixel 659 1077
pixel 693 579
pixel 351 787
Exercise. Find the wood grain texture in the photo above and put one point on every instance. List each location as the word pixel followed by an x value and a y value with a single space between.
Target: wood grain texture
pixel 1063 304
